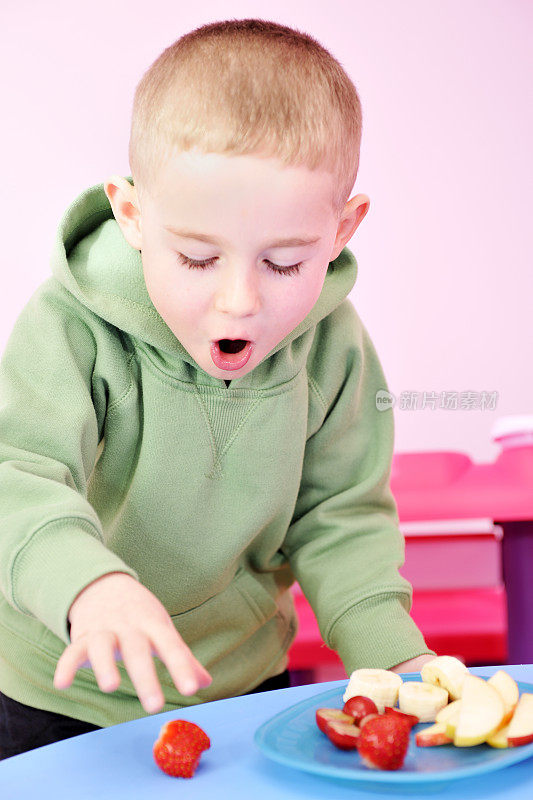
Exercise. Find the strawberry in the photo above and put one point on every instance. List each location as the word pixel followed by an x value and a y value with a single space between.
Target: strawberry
pixel 368 717
pixel 383 742
pixel 179 746
pixel 410 718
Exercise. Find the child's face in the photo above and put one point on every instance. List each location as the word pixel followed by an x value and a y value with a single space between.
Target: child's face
pixel 245 205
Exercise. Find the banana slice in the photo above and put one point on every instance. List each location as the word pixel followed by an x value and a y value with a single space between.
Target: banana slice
pixel 446 671
pixel 381 685
pixel 422 699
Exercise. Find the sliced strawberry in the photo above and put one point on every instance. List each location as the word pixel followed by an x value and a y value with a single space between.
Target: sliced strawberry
pixel 324 715
pixel 179 746
pixel 410 718
pixel 342 734
pixel 383 742
pixel 359 707
pixel 367 719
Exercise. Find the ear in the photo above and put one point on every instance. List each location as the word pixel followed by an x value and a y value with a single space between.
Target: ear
pixel 126 210
pixel 354 212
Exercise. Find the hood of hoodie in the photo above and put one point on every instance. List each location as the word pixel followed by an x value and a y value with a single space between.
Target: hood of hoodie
pixel 94 261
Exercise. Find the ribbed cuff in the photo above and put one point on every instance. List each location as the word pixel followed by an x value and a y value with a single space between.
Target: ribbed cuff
pixel 377 632
pixel 60 559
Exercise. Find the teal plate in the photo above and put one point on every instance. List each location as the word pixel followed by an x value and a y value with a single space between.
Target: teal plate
pixel 293 738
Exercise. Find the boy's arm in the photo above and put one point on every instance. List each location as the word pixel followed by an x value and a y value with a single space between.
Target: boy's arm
pixel 52 411
pixel 344 543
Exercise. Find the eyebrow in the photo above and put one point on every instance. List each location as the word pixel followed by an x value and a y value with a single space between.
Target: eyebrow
pixel 294 241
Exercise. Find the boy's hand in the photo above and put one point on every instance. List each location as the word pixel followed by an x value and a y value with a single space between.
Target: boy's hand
pixel 413 665
pixel 116 615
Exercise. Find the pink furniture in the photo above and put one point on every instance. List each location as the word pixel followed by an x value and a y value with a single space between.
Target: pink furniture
pixel 473 592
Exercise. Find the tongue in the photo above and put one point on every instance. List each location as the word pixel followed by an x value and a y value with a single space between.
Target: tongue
pixel 232 345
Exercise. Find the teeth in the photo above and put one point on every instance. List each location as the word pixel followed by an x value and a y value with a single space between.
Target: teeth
pixel 422 699
pixel 381 685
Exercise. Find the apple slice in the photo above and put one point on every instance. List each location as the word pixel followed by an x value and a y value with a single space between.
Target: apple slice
pixel 499 739
pixel 508 690
pixel 324 715
pixel 449 712
pixel 481 712
pixel 434 735
pixel 521 724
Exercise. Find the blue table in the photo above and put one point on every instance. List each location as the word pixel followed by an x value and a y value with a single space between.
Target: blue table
pixel 117 762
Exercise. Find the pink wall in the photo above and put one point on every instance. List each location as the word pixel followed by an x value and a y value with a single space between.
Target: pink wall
pixel 445 281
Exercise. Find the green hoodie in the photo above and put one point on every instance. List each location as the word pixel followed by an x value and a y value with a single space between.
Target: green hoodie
pixel 119 453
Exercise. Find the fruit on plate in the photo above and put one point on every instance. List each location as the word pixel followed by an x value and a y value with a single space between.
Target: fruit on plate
pixel 325 715
pixel 451 711
pixel 411 719
pixel 499 739
pixel 521 724
pixel 519 730
pixel 358 707
pixel 381 685
pixel 367 719
pixel 447 672
pixel 178 748
pixel 480 715
pixel 383 742
pixel 424 700
pixel 342 734
pixel 434 735
pixel 508 690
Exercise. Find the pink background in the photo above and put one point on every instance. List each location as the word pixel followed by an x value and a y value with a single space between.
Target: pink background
pixel 445 281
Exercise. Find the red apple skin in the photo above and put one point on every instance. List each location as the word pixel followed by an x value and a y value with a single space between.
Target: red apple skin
pixel 324 715
pixel 342 734
pixel 424 739
pixel 410 718
pixel 359 706
pixel 517 741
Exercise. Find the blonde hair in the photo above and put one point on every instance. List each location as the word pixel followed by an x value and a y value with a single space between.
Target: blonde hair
pixel 248 86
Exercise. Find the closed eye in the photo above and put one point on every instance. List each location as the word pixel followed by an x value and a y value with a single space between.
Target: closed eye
pixel 209 262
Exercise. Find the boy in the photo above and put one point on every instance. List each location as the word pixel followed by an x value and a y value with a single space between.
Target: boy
pixel 188 418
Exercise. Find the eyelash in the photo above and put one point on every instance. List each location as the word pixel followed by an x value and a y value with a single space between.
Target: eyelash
pixel 294 269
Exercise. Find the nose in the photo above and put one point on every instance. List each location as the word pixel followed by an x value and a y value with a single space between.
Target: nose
pixel 238 293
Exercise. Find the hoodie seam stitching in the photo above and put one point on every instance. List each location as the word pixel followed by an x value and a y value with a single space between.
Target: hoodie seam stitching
pixel 123 397
pixel 126 300
pixel 384 591
pixel 62 520
pixel 190 386
pixel 318 392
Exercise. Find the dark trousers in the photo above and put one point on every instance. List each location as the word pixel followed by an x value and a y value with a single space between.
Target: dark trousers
pixel 24 728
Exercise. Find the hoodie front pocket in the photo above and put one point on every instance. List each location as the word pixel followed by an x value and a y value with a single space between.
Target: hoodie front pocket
pixel 225 621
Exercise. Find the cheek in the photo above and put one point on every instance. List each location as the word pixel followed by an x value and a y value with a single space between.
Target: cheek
pixel 296 301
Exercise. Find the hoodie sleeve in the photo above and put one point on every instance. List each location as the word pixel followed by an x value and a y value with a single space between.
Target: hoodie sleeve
pixel 52 413
pixel 344 543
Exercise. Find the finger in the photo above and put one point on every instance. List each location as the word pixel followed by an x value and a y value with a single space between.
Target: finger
pixel 136 654
pixel 186 672
pixel 101 651
pixel 68 664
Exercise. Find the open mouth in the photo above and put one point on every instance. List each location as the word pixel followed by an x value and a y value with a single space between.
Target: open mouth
pixel 232 345
pixel 231 353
